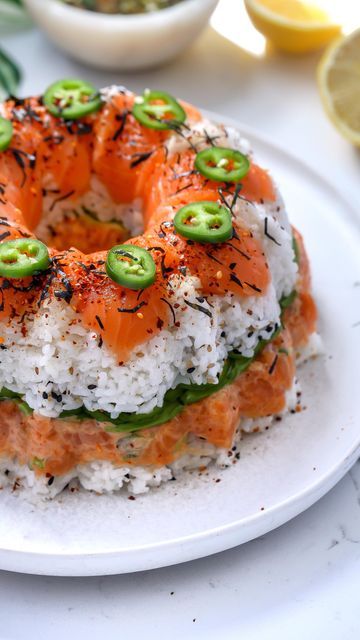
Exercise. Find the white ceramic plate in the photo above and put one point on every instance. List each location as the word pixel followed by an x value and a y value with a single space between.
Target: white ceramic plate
pixel 281 472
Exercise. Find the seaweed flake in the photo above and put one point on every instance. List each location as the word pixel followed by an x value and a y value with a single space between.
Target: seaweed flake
pixel 18 114
pixel 9 285
pixel 235 279
pixel 99 321
pixel 21 163
pixel 268 234
pixel 45 291
pixel 32 115
pixel 156 249
pixel 222 197
pixel 198 307
pixel 17 101
pixel 61 198
pixel 133 309
pixel 140 157
pixel 210 255
pixel 170 307
pixel 184 174
pixel 84 128
pixel 68 293
pixel 55 138
pixel 75 127
pixel 178 127
pixel 83 266
pixel 164 270
pixel 242 253
pixel 273 364
pixel 167 224
pixel 234 194
pixel 211 139
pixel 187 186
pixel 122 119
pixel 253 286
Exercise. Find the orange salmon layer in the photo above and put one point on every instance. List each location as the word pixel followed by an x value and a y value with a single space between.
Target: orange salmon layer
pixel 131 161
pixel 60 444
pixel 51 157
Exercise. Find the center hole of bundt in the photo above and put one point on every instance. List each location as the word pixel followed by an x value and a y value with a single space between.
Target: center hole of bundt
pixel 89 223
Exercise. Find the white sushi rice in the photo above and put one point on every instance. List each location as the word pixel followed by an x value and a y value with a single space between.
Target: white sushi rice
pixel 59 357
pixel 57 360
pixel 105 477
pixel 57 364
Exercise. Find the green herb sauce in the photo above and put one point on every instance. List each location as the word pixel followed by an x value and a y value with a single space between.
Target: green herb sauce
pixel 125 7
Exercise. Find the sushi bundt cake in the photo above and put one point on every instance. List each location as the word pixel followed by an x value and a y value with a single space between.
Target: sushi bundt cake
pixel 154 296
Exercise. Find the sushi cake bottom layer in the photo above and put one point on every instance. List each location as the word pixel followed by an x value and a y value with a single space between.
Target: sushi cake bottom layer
pixel 40 457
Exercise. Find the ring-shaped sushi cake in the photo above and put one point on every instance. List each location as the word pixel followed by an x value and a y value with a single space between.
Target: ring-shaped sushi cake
pixel 155 300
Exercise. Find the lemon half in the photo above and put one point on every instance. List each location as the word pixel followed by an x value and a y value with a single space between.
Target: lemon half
pixel 292 25
pixel 339 85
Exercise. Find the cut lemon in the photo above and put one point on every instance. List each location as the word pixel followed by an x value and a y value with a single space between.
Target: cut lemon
pixel 292 25
pixel 339 84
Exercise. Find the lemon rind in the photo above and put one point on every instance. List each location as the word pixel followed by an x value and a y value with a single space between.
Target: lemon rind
pixel 328 57
pixel 275 18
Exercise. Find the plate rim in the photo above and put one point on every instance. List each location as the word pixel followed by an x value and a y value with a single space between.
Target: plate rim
pixel 220 538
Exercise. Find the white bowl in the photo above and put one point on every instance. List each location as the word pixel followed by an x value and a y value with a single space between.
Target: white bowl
pixel 123 42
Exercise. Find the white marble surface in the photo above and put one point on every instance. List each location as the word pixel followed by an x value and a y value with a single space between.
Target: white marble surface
pixel 300 581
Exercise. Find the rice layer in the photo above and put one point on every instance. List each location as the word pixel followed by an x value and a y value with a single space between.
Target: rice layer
pixel 105 477
pixel 57 364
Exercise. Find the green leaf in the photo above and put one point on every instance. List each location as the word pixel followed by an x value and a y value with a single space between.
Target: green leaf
pixel 37 462
pixel 6 394
pixel 296 250
pixel 13 16
pixel 286 301
pixel 24 408
pixel 10 76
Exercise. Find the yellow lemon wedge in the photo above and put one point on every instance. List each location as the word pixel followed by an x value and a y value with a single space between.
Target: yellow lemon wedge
pixel 339 85
pixel 292 25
